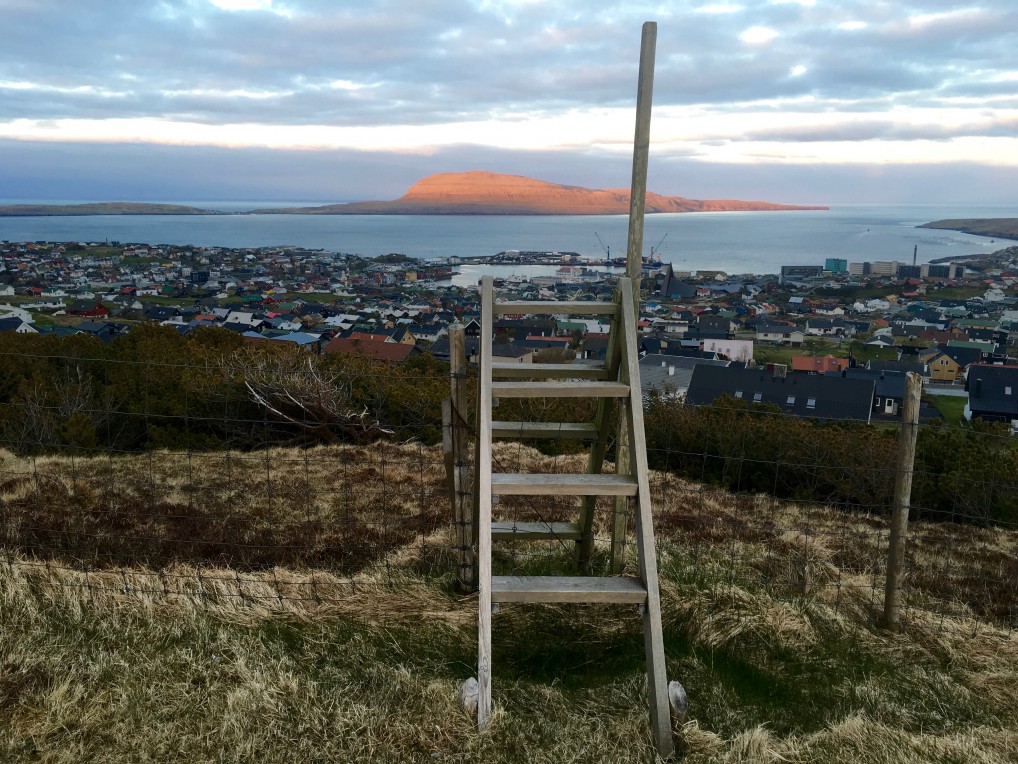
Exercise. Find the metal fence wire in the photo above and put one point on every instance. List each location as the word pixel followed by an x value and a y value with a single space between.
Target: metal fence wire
pixel 276 478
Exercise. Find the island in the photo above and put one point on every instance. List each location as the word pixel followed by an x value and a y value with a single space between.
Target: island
pixel 488 193
pixel 99 208
pixel 997 228
pixel 462 193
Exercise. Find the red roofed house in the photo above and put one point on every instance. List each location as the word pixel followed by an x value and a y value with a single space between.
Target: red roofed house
pixel 376 349
pixel 819 365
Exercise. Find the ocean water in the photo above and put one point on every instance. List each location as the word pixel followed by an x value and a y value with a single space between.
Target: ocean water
pixel 737 242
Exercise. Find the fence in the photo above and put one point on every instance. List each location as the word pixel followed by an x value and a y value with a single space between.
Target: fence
pixel 165 466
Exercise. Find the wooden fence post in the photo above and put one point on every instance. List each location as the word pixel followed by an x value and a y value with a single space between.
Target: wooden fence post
pixel 463 513
pixel 902 498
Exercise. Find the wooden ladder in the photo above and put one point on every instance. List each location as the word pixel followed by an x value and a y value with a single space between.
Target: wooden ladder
pixel 617 380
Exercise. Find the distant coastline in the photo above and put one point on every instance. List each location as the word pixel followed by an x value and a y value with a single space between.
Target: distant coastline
pixel 465 193
pixel 997 228
pixel 101 208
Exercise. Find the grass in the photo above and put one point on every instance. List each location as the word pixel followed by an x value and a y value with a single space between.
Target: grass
pixel 178 302
pixel 952 407
pixel 956 293
pixel 291 636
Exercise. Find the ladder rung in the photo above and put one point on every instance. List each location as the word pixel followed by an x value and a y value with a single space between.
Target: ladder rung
pixel 612 589
pixel 535 531
pixel 551 308
pixel 563 430
pixel 559 390
pixel 548 371
pixel 584 484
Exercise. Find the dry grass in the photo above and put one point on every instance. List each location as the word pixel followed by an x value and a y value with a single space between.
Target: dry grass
pixel 298 606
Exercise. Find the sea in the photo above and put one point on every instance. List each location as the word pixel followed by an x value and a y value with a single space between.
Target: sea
pixel 735 242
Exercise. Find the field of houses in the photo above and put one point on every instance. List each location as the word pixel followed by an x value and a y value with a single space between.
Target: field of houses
pixel 814 342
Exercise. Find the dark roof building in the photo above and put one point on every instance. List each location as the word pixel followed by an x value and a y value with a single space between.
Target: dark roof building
pixel 993 393
pixel 804 395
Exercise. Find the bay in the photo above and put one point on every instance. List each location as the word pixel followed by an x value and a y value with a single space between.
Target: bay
pixel 736 242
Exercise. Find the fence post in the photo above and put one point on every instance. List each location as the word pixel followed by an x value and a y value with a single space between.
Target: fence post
pixel 902 498
pixel 447 451
pixel 463 514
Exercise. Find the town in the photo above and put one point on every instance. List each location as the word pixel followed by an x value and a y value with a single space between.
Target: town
pixel 831 341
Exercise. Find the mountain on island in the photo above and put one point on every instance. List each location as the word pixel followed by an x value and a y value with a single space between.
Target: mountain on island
pixel 449 193
pixel 489 193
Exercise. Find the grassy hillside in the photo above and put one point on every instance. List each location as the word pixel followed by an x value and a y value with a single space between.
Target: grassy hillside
pixel 321 623
pixel 1005 228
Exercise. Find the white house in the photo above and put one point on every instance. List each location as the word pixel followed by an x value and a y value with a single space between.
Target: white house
pixel 735 350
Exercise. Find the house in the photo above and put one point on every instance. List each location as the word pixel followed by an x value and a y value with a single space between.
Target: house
pixel 804 395
pixel 949 364
pixel 826 365
pixel 669 375
pixel 376 349
pixel 242 318
pixel 88 308
pixel 595 346
pixel 993 393
pixel 768 331
pixel 880 341
pixel 822 327
pixel 504 352
pixel 292 339
pixel 902 367
pixel 676 289
pixel 710 327
pixel 888 392
pixel 736 350
pixel 104 331
pixel 16 325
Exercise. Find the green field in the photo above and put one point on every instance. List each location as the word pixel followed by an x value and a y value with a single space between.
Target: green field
pixel 951 406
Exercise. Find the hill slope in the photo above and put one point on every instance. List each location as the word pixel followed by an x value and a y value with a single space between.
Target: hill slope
pixel 766 610
pixel 1002 228
pixel 488 193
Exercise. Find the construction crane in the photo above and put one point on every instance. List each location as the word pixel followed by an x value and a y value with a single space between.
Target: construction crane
pixel 656 249
pixel 605 247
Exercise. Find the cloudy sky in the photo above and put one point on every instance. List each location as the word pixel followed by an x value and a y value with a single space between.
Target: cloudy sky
pixel 786 100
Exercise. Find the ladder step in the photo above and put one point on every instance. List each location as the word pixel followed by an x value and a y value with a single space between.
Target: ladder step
pixel 559 390
pixel 548 371
pixel 535 531
pixel 562 430
pixel 610 589
pixel 551 308
pixel 533 484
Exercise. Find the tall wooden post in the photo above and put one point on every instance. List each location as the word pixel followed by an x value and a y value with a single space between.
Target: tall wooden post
pixel 634 250
pixel 641 157
pixel 902 498
pixel 463 514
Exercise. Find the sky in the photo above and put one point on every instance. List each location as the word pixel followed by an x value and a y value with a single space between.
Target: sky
pixel 808 101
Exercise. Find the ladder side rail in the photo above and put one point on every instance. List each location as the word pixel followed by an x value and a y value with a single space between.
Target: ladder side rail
pixel 484 510
pixel 602 422
pixel 660 716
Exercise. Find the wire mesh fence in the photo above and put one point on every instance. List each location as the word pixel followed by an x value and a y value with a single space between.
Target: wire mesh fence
pixel 198 469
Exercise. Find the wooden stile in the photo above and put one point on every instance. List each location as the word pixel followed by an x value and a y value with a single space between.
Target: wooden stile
pixel 628 483
pixel 617 382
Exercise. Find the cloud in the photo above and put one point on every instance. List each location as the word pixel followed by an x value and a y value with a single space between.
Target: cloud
pixel 525 75
pixel 758 35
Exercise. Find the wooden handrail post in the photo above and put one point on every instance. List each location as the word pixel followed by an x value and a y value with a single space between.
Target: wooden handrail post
pixel 907 437
pixel 641 157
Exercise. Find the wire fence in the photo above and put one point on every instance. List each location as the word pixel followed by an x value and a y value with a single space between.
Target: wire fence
pixel 272 478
